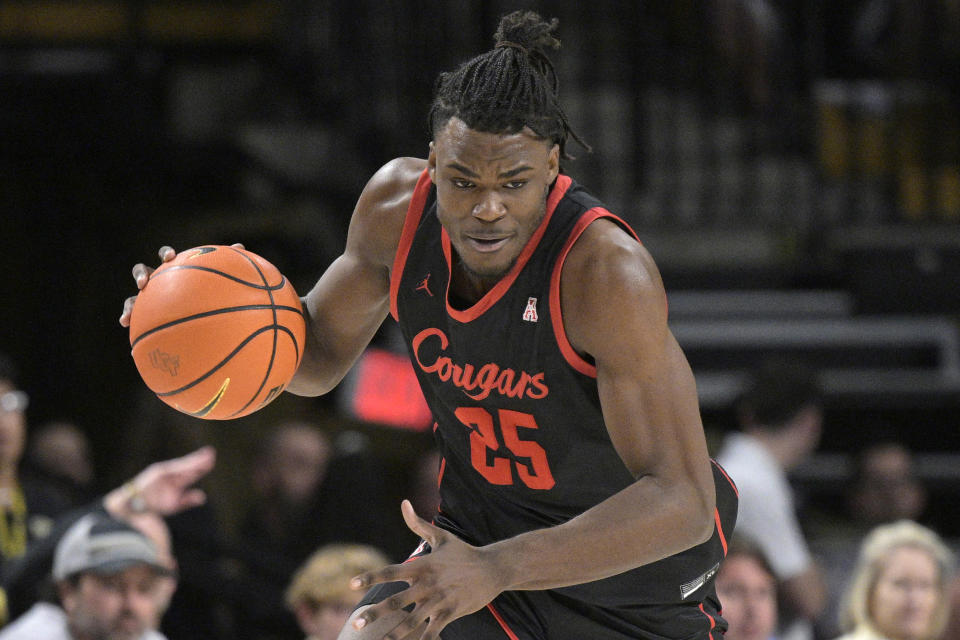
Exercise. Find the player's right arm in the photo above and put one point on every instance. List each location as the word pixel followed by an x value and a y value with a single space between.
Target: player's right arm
pixel 346 306
pixel 350 301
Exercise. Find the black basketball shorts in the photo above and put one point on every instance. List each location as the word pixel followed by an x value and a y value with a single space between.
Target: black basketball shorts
pixel 552 615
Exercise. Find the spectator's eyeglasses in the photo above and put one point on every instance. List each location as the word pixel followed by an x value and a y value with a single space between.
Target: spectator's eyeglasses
pixel 14 401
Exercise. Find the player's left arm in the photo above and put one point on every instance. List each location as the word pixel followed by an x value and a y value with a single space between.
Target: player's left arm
pixel 615 310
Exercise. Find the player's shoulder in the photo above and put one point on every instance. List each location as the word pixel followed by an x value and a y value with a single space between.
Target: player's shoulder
pixel 605 255
pixel 608 279
pixel 377 221
pixel 391 187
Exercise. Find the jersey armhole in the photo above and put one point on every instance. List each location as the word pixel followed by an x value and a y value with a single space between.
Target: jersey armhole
pixel 410 223
pixel 573 358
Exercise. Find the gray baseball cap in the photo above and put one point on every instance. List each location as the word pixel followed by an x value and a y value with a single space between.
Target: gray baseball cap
pixel 101 544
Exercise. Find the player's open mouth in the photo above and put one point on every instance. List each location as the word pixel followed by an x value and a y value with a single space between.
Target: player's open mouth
pixel 486 245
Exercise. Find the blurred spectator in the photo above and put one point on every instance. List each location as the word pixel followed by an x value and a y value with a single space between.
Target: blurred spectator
pixel 952 629
pixel 884 488
pixel 112 583
pixel 59 453
pixel 305 494
pixel 13 427
pixel 286 477
pixel 155 529
pixel 162 489
pixel 320 595
pixel 27 508
pixel 200 609
pixel 747 590
pixel 780 417
pixel 305 487
pixel 900 587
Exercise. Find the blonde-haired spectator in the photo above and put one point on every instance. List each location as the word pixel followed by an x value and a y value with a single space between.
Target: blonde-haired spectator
pixel 899 589
pixel 747 588
pixel 319 593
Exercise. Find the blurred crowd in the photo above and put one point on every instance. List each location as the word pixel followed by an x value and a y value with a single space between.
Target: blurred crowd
pixel 315 508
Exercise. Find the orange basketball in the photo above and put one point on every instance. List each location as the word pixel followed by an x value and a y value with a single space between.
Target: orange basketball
pixel 217 332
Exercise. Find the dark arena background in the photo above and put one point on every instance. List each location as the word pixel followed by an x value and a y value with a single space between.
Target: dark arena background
pixel 795 172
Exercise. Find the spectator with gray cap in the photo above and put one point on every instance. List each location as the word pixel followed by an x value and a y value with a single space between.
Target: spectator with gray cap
pixel 108 576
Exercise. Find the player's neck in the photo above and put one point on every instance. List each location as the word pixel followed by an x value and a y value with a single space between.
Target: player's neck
pixel 466 287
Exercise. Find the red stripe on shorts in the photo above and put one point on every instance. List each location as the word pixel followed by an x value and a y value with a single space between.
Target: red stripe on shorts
pixel 713 622
pixel 503 624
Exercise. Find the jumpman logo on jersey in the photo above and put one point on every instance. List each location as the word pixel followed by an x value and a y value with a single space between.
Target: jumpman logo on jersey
pixel 530 313
pixel 425 285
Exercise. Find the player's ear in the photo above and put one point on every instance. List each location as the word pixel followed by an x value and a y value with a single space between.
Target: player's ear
pixel 432 162
pixel 553 163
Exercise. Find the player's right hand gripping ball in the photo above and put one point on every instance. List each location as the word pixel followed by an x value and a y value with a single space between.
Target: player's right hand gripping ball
pixel 217 332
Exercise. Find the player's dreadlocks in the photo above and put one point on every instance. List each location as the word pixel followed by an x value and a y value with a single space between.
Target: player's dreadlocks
pixel 509 87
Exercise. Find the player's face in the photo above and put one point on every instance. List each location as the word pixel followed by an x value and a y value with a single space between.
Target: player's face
pixel 491 194
pixel 748 596
pixel 121 606
pixel 905 597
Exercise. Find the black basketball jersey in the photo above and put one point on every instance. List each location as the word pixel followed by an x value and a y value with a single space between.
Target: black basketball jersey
pixel 518 417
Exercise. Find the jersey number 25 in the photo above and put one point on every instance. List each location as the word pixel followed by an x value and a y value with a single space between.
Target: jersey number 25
pixel 496 461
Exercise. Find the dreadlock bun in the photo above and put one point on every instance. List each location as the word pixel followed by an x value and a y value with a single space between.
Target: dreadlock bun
pixel 528 30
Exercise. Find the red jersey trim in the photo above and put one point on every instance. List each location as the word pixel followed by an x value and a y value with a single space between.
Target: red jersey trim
pixel 569 353
pixel 490 298
pixel 725 475
pixel 723 538
pixel 443 467
pixel 502 623
pixel 713 623
pixel 410 223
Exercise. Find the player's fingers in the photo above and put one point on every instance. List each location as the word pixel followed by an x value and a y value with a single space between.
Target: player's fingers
pixel 404 627
pixel 141 274
pixel 127 310
pixel 434 626
pixel 237 245
pixel 374 617
pixel 415 633
pixel 372 623
pixel 390 573
pixel 427 531
pixel 167 253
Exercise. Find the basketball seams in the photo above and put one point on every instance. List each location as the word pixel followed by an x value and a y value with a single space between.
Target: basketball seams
pixel 296 350
pixel 273 352
pixel 214 312
pixel 262 287
pixel 293 340
pixel 220 364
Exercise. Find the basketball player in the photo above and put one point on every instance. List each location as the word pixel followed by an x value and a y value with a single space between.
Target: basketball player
pixel 577 496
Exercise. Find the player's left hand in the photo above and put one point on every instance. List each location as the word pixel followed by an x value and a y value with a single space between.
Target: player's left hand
pixel 451 581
